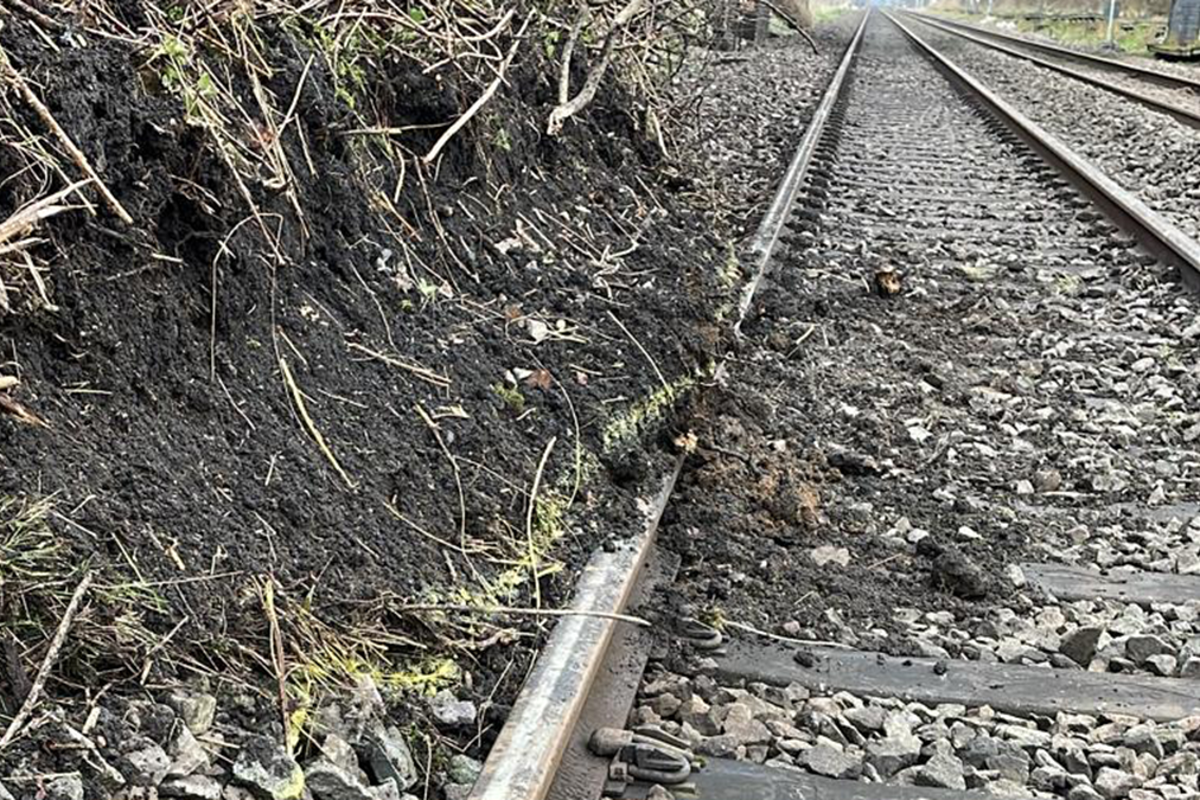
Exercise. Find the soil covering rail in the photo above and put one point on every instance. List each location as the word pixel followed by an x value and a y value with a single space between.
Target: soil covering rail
pixel 532 742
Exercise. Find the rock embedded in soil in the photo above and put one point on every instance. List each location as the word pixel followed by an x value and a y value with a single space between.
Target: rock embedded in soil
pixel 266 769
pixel 192 787
pixel 828 554
pixel 389 758
pixel 463 769
pixel 62 787
pixel 196 709
pixel 149 764
pixel 451 712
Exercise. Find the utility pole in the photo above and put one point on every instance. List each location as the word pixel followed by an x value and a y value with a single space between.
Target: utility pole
pixel 1112 23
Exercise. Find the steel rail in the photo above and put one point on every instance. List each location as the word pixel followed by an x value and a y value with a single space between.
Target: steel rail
pixel 1161 78
pixel 1154 232
pixel 762 246
pixel 1181 113
pixel 522 763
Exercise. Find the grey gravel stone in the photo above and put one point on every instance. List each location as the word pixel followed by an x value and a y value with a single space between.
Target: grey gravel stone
pixel 388 757
pixel 63 787
pixel 1114 783
pixel 263 767
pixel 1140 648
pixel 828 554
pixel 452 712
pixel 1080 644
pixel 196 709
pixel 824 759
pixel 191 787
pixel 187 754
pixel 944 771
pixel 150 764
pixel 463 769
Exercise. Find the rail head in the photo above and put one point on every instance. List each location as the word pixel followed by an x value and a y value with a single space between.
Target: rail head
pixel 762 246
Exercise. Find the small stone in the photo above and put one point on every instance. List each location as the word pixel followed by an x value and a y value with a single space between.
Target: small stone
pixel 63 787
pixel 722 746
pixel 150 764
pixel 268 771
pixel 451 712
pixel 191 787
pixel 1162 664
pixel 1139 648
pixel 1183 763
pixel 331 781
pixel 1141 739
pixel 196 709
pixel 464 769
pixel 740 724
pixel 893 753
pixel 665 705
pixel 697 713
pixel 659 792
pixel 866 718
pixel 824 759
pixel 187 755
pixel 1047 480
pixel 1190 668
pixel 5 794
pixel 828 554
pixel 1080 644
pixel 1114 783
pixel 943 771
pixel 1015 576
pixel 388 791
pixel 389 758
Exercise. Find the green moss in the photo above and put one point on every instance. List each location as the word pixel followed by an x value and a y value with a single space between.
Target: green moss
pixel 511 396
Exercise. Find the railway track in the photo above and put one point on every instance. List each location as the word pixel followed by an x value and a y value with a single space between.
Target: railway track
pixel 1081 687
pixel 1174 95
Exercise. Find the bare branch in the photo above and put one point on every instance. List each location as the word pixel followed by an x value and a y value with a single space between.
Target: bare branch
pixel 570 108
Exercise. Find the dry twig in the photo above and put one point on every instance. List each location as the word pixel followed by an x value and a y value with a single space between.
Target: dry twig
pixel 9 72
pixel 39 682
pixel 483 98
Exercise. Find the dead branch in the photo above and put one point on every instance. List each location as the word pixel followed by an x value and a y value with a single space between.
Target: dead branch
pixel 792 23
pixel 564 77
pixel 537 481
pixel 566 110
pixel 10 74
pixel 39 682
pixel 483 98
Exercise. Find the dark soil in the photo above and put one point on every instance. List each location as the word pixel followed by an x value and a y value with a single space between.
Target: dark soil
pixel 174 449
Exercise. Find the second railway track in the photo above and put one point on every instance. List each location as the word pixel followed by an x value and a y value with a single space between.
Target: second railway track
pixel 956 313
pixel 1176 96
